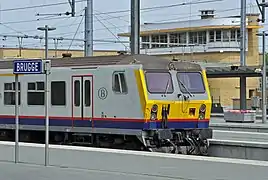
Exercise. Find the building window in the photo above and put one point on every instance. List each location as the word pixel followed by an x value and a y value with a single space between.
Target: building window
pixel 145 42
pixel 163 39
pixel 238 35
pixel 9 93
pixel 202 37
pixel 182 38
pixel 233 35
pixel 155 41
pixel 251 93
pixel 58 93
pixel 218 35
pixel 225 35
pixel 173 39
pixel 211 36
pixel 36 93
pixel 119 83
pixel 177 39
pixel 193 37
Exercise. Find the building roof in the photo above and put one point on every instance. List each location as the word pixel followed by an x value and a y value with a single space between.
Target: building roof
pixel 198 24
pixel 233 71
pixel 147 61
pixel 59 49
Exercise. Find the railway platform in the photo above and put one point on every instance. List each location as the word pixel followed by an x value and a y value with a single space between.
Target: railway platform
pixel 66 162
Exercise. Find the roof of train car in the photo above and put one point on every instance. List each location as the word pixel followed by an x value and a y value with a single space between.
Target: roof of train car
pixel 148 62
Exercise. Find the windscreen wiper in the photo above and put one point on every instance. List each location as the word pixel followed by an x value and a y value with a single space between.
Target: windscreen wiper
pixel 167 86
pixel 185 87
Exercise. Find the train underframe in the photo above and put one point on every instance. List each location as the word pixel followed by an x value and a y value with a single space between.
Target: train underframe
pixel 187 141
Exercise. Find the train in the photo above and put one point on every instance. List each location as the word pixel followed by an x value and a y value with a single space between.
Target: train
pixel 137 102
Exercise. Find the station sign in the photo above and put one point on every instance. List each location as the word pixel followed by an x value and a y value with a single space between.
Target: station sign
pixel 28 67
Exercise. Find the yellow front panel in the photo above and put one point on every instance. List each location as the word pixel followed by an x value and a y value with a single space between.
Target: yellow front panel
pixel 141 84
pixel 179 110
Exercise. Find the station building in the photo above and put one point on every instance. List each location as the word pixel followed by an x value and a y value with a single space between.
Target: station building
pixel 214 41
pixel 11 53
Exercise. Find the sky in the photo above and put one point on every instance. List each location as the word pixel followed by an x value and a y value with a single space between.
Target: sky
pixel 110 18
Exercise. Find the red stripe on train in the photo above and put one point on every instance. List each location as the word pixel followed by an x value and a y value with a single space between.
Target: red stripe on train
pixel 104 119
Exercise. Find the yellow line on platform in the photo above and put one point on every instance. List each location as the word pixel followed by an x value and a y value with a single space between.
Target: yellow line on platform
pixel 9 74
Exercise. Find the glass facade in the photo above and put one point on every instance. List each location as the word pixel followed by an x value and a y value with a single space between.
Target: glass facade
pixel 177 39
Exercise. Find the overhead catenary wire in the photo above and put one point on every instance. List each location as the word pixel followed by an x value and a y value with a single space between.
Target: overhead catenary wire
pixel 111 12
pixel 12 29
pixel 112 33
pixel 81 14
pixel 115 12
pixel 113 17
pixel 55 38
pixel 75 33
pixel 117 27
pixel 111 23
pixel 150 8
pixel 38 6
pixel 161 7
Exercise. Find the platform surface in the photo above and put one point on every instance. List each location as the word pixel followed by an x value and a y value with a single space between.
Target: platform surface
pixel 12 171
pixel 256 137
pixel 217 121
pixel 79 163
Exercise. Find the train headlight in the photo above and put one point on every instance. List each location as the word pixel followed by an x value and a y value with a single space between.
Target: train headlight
pixel 201 116
pixel 153 116
pixel 202 111
pixel 154 108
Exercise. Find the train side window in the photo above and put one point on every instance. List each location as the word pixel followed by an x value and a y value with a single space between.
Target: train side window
pixel 123 83
pixel 36 93
pixel 116 85
pixel 9 94
pixel 119 83
pixel 87 93
pixel 77 93
pixel 58 93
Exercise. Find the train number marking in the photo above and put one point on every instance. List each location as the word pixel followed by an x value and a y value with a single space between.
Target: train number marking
pixel 102 93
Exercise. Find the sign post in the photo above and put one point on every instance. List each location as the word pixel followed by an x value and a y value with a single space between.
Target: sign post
pixel 47 72
pixel 31 67
pixel 17 118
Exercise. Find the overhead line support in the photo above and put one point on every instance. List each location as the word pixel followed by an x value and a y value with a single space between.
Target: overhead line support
pixel 89 28
pixel 135 27
pixel 243 79
pixel 262 7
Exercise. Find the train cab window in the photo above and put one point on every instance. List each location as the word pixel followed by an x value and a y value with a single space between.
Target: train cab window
pixel 9 93
pixel 191 81
pixel 159 82
pixel 119 83
pixel 36 93
pixel 58 93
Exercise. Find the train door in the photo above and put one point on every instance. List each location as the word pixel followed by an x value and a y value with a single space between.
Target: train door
pixel 82 106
